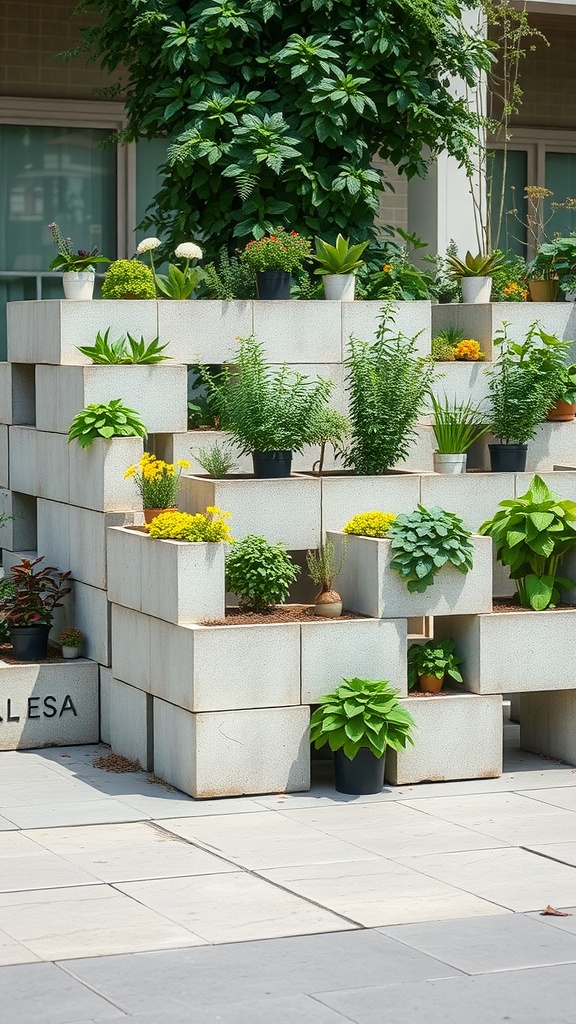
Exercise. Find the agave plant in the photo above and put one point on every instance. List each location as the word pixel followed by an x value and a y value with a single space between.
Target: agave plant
pixel 341 258
pixel 474 266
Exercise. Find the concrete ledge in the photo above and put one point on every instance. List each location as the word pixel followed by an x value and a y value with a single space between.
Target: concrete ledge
pixel 97 474
pixel 130 723
pixel 39 463
pixel 232 753
pixel 48 704
pixel 346 496
pixel 333 649
pixel 370 587
pixel 458 736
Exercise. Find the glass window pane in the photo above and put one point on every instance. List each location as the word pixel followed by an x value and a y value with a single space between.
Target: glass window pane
pixel 561 180
pixel 509 227
pixel 150 155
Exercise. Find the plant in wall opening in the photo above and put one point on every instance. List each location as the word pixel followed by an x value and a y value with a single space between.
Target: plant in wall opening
pixel 259 573
pixel 77 267
pixel 338 264
pixel 429 663
pixel 216 459
pixel 124 350
pixel 475 274
pixel 330 427
pixel 270 413
pixel 457 425
pixel 105 420
pixel 273 258
pixel 532 533
pixel 323 568
pixel 426 540
pixel 370 524
pixel 202 527
pixel 388 384
pixel 128 279
pixel 564 407
pixel 468 351
pixel 158 482
pixel 180 282
pixel 71 641
pixel 358 721
pixel 28 606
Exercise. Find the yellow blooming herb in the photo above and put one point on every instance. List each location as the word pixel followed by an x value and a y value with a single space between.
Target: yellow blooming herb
pixel 370 524
pixel 468 350
pixel 157 481
pixel 201 527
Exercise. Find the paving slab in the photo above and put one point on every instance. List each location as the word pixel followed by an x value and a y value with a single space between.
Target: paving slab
pixel 24 864
pixel 564 852
pixel 565 924
pixel 12 952
pixel 512 817
pixel 89 812
pixel 44 994
pixel 565 798
pixel 285 1010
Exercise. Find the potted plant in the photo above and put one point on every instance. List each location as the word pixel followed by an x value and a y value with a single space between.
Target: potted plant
pixel 457 425
pixel 71 640
pixel 541 274
pixel 77 267
pixel 429 663
pixel 28 606
pixel 532 533
pixel 524 383
pixel 358 721
pixel 564 408
pixel 269 413
pixel 338 265
pixel 259 573
pixel 273 259
pixel 474 274
pixel 209 527
pixel 128 279
pixel 158 483
pixel 323 568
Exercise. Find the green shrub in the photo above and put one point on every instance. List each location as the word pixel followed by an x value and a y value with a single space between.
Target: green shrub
pixel 259 573
pixel 128 279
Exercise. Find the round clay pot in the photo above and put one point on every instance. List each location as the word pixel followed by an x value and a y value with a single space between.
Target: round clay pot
pixel 430 684
pixel 561 412
pixel 151 513
pixel 328 604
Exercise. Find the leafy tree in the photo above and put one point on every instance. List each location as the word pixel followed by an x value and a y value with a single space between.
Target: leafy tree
pixel 276 110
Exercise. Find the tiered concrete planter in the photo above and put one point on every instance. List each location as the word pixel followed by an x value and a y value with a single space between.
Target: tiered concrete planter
pixel 341 648
pixel 172 580
pixel 286 510
pixel 369 586
pixel 482 321
pixel 172 447
pixel 97 474
pixel 345 496
pixel 514 652
pixel 548 724
pixel 49 704
pixel 458 736
pixel 231 753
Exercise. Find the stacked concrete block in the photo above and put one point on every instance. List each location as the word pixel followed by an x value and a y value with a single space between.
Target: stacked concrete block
pixel 484 321
pixel 48 704
pixel 548 724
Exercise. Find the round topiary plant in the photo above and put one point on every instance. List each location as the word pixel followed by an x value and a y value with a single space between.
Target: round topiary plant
pixel 259 573
pixel 128 279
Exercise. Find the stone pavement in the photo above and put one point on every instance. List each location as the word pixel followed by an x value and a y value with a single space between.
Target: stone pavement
pixel 123 901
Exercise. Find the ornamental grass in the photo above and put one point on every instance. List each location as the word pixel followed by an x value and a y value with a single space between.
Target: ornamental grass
pixel 157 481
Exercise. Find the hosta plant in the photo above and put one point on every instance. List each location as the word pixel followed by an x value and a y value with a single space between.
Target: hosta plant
pixel 105 420
pixel 124 350
pixel 361 713
pixel 434 658
pixel 426 540
pixel 531 534
pixel 259 573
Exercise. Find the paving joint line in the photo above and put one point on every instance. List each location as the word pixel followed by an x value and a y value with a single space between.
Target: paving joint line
pixel 547 856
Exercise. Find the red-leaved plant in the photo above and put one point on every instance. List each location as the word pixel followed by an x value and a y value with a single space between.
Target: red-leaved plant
pixel 33 595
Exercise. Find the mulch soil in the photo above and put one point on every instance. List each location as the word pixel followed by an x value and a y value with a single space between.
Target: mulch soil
pixel 511 604
pixel 6 655
pixel 287 613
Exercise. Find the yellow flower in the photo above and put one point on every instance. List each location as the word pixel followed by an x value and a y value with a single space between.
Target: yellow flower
pixel 370 524
pixel 183 463
pixel 387 268
pixel 129 472
pixel 468 350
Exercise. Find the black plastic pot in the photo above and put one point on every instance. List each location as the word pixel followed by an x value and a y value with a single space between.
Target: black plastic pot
pixel 508 458
pixel 30 643
pixel 271 465
pixel 273 284
pixel 360 776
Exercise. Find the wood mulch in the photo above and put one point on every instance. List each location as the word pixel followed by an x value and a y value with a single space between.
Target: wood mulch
pixel 282 613
pixel 512 604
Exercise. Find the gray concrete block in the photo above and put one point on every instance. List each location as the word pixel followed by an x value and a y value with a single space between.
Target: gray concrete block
pixel 97 474
pixel 306 331
pixel 130 713
pixel 346 496
pixel 333 649
pixel 203 332
pixel 39 463
pixel 48 704
pixel 20 532
pixel 548 724
pixel 105 685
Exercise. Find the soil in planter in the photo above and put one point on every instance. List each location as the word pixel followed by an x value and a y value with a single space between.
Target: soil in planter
pixel 289 613
pixel 512 604
pixel 54 654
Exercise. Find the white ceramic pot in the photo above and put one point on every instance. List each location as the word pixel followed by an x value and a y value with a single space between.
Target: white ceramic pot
pixel 340 286
pixel 476 289
pixel 78 284
pixel 449 464
pixel 70 652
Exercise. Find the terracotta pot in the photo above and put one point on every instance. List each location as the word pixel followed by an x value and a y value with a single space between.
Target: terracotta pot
pixel 328 604
pixel 543 291
pixel 430 684
pixel 151 513
pixel 561 412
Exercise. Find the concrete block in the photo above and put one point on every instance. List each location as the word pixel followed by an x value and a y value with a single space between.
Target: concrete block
pixel 548 724
pixel 482 321
pixel 105 677
pixel 54 533
pixel 48 331
pixel 18 533
pixel 232 753
pixel 17 393
pixel 472 496
pixel 361 320
pixel 158 393
pixel 39 463
pixel 345 496
pixel 131 648
pixel 89 611
pixel 554 443
pixel 172 447
pixel 4 462
pixel 204 332
pixel 192 576
pixel 87 535
pixel 333 649
pixel 131 730
pixel 97 474
pixel 370 587
pixel 462 382
pixel 307 331
pixel 458 736
pixel 286 510
pixel 48 704
pixel 514 652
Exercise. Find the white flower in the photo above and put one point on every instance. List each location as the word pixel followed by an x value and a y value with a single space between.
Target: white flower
pixel 188 251
pixel 147 245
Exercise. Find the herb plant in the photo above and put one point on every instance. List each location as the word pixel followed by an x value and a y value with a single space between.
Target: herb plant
pixel 388 384
pixel 158 482
pixel 330 427
pixel 128 279
pixel 264 409
pixel 259 573
pixel 532 533
pixel 434 658
pixel 105 420
pixel 34 593
pixel 124 350
pixel 323 566
pixel 216 459
pixel 228 278
pixel 361 713
pixel 426 540
pixel 457 425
